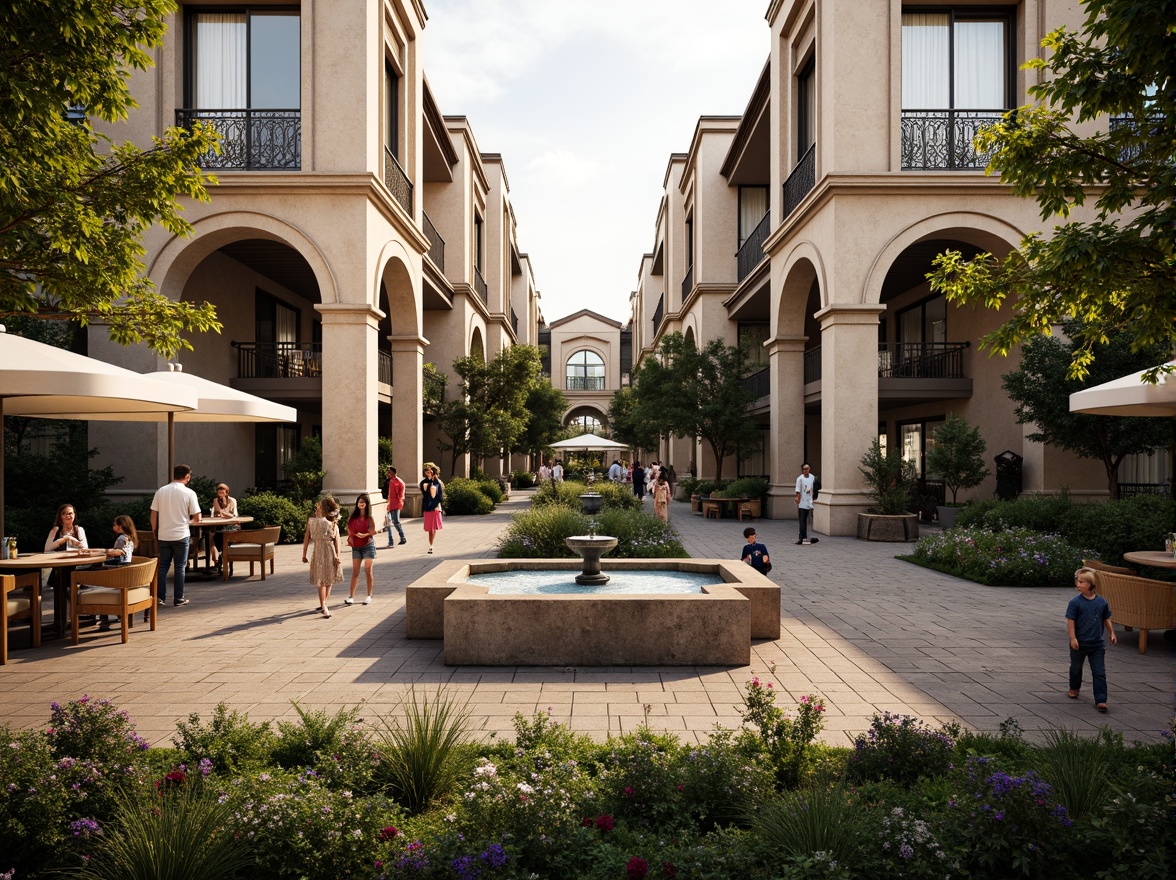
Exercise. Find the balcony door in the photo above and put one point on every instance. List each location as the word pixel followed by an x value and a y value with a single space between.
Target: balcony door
pixel 585 372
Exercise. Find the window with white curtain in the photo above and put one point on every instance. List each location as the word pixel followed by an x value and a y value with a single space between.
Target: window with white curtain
pixel 753 204
pixel 956 60
pixel 247 59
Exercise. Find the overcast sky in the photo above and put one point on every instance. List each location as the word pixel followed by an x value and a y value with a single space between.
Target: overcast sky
pixel 586 101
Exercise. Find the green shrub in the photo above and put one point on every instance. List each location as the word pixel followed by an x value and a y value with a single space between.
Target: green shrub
pixel 744 487
pixel 465 497
pixel 334 744
pixel 539 533
pixel 901 749
pixel 1078 768
pixel 232 742
pixel 1042 513
pixel 567 493
pixel 890 479
pixel 138 509
pixel 1018 557
pixel 785 741
pixel 1113 528
pixel 639 535
pixel 491 488
pixel 270 509
pixel 305 471
pixel 818 820
pixel 522 479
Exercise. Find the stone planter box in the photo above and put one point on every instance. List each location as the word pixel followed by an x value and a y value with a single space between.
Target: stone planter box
pixel 947 515
pixel 877 527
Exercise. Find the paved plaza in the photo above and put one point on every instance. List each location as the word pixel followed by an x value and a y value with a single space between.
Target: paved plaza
pixel 864 630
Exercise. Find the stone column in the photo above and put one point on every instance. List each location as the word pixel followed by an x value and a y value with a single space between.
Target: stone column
pixel 350 401
pixel 408 401
pixel 849 411
pixel 786 428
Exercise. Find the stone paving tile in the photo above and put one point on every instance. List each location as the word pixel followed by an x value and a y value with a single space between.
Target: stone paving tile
pixel 867 631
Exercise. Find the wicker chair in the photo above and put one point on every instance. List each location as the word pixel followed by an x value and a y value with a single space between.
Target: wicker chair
pixel 1102 566
pixel 119 590
pixel 20 607
pixel 146 546
pixel 252 545
pixel 1138 602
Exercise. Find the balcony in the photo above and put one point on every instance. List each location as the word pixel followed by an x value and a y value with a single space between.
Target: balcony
pixel 658 313
pixel 436 251
pixel 384 368
pixel 908 371
pixel 1149 127
pixel 397 181
pixel 758 384
pixel 751 252
pixel 688 283
pixel 801 181
pixel 251 140
pixel 943 139
pixel 514 322
pixel 480 287
pixel 279 360
pixel 585 383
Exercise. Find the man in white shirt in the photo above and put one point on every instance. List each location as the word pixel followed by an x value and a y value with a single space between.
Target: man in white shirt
pixel 804 503
pixel 557 471
pixel 544 473
pixel 172 509
pixel 614 472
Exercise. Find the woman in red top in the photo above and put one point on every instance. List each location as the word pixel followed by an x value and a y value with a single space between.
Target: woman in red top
pixel 361 538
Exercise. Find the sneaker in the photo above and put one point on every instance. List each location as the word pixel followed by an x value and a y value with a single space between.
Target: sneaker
pixel 180 602
pixel 806 541
pixel 814 540
pixel 348 601
pixel 367 601
pixel 402 541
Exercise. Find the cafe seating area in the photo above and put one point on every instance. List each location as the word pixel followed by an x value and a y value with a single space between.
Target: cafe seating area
pixel 252 546
pixel 1138 602
pixel 22 602
pixel 119 590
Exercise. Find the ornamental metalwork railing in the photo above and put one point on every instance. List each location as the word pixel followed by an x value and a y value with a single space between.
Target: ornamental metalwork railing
pixel 657 313
pixel 758 384
pixel 585 383
pixel 688 282
pixel 514 321
pixel 384 367
pixel 436 251
pixel 1149 127
pixel 251 140
pixel 812 365
pixel 921 360
pixel 397 181
pixel 801 181
pixel 945 139
pixel 480 286
pixel 751 252
pixel 1130 490
pixel 279 360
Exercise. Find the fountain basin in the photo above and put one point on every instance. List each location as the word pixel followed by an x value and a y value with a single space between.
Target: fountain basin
pixel 711 628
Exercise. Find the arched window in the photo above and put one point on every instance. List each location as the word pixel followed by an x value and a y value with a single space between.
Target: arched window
pixel 584 424
pixel 585 372
pixel 477 350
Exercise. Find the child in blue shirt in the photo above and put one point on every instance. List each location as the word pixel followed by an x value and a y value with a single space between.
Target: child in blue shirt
pixel 1087 615
pixel 755 554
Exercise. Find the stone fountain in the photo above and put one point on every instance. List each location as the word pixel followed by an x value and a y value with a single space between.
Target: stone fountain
pixel 591 547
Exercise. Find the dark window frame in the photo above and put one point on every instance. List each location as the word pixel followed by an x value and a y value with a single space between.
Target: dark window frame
pixel 1008 14
pixel 190 13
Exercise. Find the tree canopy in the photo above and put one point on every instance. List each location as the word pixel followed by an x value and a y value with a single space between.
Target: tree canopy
pixel 1041 389
pixel 73 204
pixel 1102 129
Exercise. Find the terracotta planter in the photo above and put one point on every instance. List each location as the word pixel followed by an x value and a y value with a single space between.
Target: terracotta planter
pixel 877 527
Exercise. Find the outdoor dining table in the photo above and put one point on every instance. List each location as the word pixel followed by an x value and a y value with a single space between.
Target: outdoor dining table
pixel 62 564
pixel 202 532
pixel 1151 558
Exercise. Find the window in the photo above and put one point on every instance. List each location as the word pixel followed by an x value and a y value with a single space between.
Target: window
pixel 391 109
pixel 275 445
pixel 806 108
pixel 276 333
pixel 244 75
pixel 751 338
pixel 753 205
pixel 584 425
pixel 956 78
pixel 924 323
pixel 585 372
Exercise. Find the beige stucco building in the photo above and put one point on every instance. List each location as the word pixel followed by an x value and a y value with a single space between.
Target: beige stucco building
pixel 589 358
pixel 355 233
pixel 806 227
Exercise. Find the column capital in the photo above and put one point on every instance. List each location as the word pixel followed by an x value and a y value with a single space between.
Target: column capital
pixel 349 313
pixel 783 344
pixel 401 342
pixel 849 313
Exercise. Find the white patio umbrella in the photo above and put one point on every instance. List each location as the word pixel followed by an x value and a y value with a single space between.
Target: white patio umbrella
pixel 1128 396
pixel 41 381
pixel 588 441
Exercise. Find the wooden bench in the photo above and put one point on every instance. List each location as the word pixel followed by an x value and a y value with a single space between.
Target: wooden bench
pixel 1138 602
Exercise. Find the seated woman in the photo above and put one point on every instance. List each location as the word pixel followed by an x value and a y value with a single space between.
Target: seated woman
pixel 120 553
pixel 66 534
pixel 222 506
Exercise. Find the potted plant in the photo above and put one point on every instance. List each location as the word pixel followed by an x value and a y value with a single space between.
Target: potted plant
pixel 957 457
pixel 890 480
pixel 752 488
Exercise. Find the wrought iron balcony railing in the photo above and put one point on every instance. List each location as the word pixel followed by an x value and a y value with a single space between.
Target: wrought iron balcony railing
pixel 279 360
pixel 812 365
pixel 688 282
pixel 751 252
pixel 921 360
pixel 384 367
pixel 758 384
pixel 397 181
pixel 436 251
pixel 514 322
pixel 657 314
pixel 251 140
pixel 585 383
pixel 1130 490
pixel 944 139
pixel 801 181
pixel 1148 127
pixel 480 286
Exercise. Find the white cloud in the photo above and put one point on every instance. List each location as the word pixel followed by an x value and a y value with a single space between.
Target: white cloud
pixel 563 169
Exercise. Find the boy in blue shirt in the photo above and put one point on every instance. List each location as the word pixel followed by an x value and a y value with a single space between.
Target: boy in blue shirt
pixel 755 554
pixel 1086 616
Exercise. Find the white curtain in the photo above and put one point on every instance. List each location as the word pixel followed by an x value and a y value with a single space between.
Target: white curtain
pixel 1145 468
pixel 925 77
pixel 979 65
pixel 220 61
pixel 753 204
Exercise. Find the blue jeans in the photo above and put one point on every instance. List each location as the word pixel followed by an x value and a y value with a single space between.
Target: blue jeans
pixel 169 550
pixel 1098 669
pixel 394 515
pixel 804 514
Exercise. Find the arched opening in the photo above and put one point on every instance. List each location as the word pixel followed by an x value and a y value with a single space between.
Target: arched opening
pixel 477 346
pixel 585 420
pixel 585 371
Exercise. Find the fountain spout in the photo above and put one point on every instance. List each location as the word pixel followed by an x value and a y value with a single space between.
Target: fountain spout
pixel 591 548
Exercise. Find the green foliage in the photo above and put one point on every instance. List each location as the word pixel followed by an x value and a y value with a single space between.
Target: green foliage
pixel 205 489
pixel 1011 558
pixel 384 459
pixel 545 407
pixel 420 754
pixel 271 509
pixel 466 497
pixel 902 749
pixel 1041 389
pixel 957 455
pixel 305 471
pixel 522 480
pixel 627 420
pixel 785 741
pixel 36 801
pixel 567 493
pixel 744 487
pixel 73 205
pixel 818 819
pixel 229 740
pixel 639 535
pixel 539 533
pixel 1115 270
pixel 333 744
pixel 489 487
pixel 183 835
pixel 890 480
pixel 1078 768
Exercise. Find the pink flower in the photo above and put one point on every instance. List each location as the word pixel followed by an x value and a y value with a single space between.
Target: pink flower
pixel 388 832
pixel 755 682
pixel 769 684
pixel 637 868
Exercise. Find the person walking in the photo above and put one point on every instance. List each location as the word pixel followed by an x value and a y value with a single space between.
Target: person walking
pixel 638 479
pixel 173 509
pixel 1087 614
pixel 804 503
pixel 394 493
pixel 557 472
pixel 661 497
pixel 615 474
pixel 361 538
pixel 322 539
pixel 432 494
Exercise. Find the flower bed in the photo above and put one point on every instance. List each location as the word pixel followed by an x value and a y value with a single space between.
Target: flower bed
pixel 1018 557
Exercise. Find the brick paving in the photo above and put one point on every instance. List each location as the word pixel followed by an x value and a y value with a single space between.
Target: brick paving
pixel 866 631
